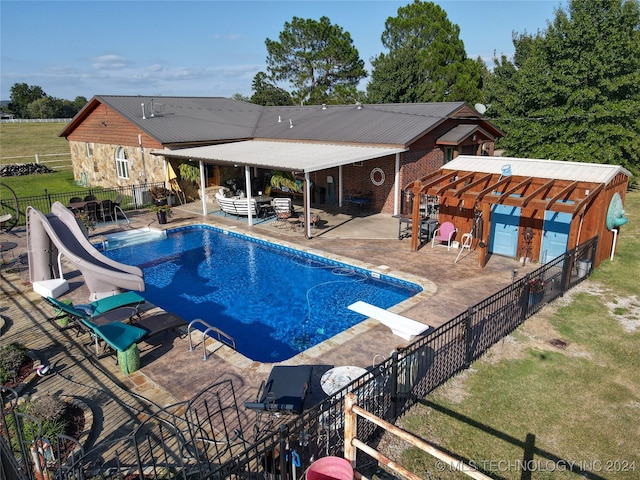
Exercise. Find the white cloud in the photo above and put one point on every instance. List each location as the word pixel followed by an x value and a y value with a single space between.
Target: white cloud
pixel 110 62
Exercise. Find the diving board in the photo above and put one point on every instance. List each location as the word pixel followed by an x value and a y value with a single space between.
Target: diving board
pixel 401 326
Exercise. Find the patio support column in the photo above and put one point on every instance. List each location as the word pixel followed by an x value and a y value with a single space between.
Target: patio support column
pixel 306 204
pixel 396 187
pixel 247 189
pixel 203 185
pixel 341 188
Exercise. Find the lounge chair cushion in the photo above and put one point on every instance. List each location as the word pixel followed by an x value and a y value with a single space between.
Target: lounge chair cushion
pixel 119 336
pixel 109 303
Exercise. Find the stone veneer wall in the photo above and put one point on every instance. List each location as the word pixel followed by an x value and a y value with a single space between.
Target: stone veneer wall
pixel 101 167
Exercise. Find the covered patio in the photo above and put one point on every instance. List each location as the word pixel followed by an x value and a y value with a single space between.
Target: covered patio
pixel 298 157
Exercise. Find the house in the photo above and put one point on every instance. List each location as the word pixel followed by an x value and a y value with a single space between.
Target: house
pixel 527 208
pixel 339 150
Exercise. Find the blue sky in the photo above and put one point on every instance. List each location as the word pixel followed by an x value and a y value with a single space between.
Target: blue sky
pixel 206 47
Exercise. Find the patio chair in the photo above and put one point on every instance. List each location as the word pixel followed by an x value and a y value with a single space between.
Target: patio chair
pixel 91 209
pixel 283 211
pixel 444 235
pixel 106 210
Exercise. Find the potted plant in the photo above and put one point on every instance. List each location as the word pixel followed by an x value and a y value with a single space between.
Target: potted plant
pixel 159 195
pixel 163 212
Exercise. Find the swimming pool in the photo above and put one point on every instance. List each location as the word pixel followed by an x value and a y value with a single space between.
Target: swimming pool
pixel 274 301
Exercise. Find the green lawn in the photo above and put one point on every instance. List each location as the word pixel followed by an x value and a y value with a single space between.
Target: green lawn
pixel 29 139
pixel 529 403
pixel 25 140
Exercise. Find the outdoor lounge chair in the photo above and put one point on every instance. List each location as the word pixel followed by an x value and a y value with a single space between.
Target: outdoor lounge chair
pixel 117 335
pixel 109 309
pixel 284 391
pixel 120 336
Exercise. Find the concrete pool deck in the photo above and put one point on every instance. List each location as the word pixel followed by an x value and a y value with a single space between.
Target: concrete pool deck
pixel 170 372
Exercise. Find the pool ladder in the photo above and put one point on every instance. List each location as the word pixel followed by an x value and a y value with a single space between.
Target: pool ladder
pixel 221 336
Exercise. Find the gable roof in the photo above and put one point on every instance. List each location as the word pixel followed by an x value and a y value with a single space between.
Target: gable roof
pixel 175 120
pixel 190 120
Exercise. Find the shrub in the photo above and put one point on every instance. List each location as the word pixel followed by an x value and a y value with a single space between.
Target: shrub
pixel 11 358
pixel 47 407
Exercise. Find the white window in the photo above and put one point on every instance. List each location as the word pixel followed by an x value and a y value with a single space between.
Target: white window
pixel 122 163
pixel 89 150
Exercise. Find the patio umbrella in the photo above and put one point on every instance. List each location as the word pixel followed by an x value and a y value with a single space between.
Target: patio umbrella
pixel 172 179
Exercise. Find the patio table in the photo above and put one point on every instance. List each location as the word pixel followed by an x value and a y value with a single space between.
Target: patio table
pixel 339 377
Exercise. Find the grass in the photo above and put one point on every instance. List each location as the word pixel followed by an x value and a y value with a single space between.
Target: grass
pixel 27 140
pixel 527 400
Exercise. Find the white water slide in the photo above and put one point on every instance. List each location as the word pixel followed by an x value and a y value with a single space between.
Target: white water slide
pixel 57 233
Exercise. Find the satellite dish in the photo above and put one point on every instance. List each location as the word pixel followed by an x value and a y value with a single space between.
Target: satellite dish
pixel 480 108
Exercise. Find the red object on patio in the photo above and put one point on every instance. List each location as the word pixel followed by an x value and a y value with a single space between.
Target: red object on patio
pixel 330 468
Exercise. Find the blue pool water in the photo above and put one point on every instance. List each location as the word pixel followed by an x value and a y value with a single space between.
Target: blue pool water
pixel 274 301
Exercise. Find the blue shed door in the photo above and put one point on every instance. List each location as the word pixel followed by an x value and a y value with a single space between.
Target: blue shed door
pixel 505 221
pixel 555 235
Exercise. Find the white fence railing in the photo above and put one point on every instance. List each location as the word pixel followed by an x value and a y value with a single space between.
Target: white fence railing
pixel 35 120
pixel 37 158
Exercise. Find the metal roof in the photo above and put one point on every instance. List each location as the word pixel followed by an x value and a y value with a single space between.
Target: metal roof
pixel 459 133
pixel 381 124
pixel 530 167
pixel 200 120
pixel 174 120
pixel 291 156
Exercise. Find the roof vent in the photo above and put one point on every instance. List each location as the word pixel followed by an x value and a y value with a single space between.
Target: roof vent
pixel 359 105
pixel 143 115
pixel 279 119
pixel 324 106
pixel 290 124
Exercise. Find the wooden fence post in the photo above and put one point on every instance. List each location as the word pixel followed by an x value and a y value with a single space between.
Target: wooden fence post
pixel 350 428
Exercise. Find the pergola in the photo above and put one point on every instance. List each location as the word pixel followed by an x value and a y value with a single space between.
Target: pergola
pixel 299 157
pixel 469 186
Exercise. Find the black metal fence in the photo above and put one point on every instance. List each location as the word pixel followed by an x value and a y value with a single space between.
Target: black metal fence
pixel 133 198
pixel 203 438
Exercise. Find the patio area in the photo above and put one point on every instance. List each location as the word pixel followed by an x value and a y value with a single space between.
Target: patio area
pixel 170 372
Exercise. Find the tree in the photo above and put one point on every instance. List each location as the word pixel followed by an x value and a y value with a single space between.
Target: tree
pixel 266 93
pixel 318 59
pixel 21 96
pixel 572 91
pixel 31 102
pixel 426 61
pixel 240 98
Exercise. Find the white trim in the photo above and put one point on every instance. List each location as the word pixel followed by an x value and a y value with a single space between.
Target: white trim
pixel 289 156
